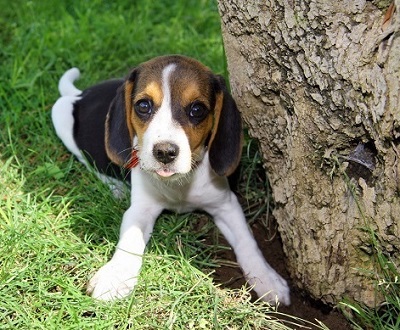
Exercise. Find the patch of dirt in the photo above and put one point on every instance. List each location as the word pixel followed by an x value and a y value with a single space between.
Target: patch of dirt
pixel 301 306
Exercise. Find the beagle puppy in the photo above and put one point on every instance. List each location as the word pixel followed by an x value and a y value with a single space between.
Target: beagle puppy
pixel 175 128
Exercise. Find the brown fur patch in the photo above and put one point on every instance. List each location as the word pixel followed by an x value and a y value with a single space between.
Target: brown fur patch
pixel 128 107
pixel 197 135
pixel 139 126
pixel 193 92
pixel 111 152
pixel 150 90
pixel 217 114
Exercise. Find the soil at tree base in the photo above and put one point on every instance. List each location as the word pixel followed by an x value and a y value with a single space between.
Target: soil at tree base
pixel 301 305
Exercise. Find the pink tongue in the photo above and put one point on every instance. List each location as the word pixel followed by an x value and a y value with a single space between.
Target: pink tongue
pixel 164 173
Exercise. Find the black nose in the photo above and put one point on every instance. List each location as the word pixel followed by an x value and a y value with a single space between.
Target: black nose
pixel 165 152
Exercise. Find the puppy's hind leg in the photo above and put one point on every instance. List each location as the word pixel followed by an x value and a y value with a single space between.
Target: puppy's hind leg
pixel 118 188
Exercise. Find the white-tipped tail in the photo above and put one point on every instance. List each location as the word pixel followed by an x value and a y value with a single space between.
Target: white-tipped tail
pixel 66 86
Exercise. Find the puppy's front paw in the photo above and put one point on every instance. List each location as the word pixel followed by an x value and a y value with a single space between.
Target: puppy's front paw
pixel 113 281
pixel 269 285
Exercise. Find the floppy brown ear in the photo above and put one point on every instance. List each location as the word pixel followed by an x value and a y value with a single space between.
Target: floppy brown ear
pixel 119 132
pixel 225 146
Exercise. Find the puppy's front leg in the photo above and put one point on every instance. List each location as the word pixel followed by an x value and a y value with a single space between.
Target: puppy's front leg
pixel 118 277
pixel 266 282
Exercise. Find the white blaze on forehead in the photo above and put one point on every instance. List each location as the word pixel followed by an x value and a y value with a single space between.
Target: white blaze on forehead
pixel 166 85
pixel 162 128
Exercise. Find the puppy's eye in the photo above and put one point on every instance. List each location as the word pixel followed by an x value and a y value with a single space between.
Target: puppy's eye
pixel 143 107
pixel 197 112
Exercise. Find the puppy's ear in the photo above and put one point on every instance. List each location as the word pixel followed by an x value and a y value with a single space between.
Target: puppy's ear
pixel 119 131
pixel 225 146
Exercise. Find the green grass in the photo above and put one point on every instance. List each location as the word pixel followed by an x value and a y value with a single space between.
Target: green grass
pixel 58 223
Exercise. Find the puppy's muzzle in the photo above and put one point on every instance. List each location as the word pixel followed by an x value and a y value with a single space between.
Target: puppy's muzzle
pixel 165 152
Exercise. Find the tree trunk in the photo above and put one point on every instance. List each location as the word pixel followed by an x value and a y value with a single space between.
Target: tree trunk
pixel 318 84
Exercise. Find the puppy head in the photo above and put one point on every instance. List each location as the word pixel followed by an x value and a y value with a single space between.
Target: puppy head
pixel 171 109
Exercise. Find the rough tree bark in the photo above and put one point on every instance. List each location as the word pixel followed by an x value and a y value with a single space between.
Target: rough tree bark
pixel 318 84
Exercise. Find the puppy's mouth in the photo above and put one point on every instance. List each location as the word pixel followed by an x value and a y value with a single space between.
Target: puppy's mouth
pixel 161 171
pixel 165 172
